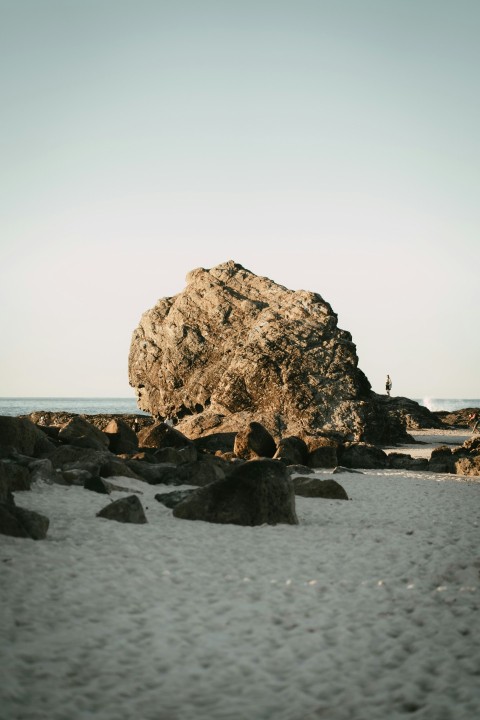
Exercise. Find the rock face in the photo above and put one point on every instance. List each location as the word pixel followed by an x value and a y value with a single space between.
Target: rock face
pixel 257 492
pixel 234 348
pixel 125 510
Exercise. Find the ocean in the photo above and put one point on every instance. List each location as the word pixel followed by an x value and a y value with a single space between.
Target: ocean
pixel 88 406
pixel 448 404
pixel 126 406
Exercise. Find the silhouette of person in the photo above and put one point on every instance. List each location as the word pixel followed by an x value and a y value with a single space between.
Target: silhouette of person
pixel 474 419
pixel 388 385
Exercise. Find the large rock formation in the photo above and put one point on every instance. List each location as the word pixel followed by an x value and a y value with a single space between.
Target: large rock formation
pixel 234 348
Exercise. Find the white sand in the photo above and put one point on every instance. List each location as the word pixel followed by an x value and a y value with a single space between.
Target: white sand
pixel 369 609
pixel 430 439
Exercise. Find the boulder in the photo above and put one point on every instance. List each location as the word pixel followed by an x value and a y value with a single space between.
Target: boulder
pixel 402 461
pixel 255 493
pixel 75 476
pixel 314 487
pixel 234 347
pixel 24 436
pixel 467 465
pixel 361 455
pixel 95 462
pixel 215 442
pixel 292 451
pixel 324 455
pixel 6 497
pixel 125 510
pixel 157 473
pixel 172 499
pixel 9 523
pixel 176 456
pixel 441 460
pixel 162 435
pixel 80 433
pixel 97 484
pixel 408 413
pixel 456 418
pixel 254 441
pixel 203 471
pixel 43 470
pixel 18 522
pixel 466 459
pixel 122 439
pixel 18 476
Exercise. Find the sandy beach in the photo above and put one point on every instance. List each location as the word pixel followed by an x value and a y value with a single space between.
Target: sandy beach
pixel 368 609
pixel 430 439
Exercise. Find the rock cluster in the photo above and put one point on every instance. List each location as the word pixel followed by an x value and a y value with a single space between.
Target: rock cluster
pixel 234 348
pixel 256 484
pixel 464 460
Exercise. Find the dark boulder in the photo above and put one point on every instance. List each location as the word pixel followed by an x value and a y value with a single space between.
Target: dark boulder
pixel 254 441
pixel 402 461
pixel 441 460
pixel 82 434
pixel 125 510
pixel 122 439
pixel 314 487
pixel 322 452
pixel 23 436
pixel 97 484
pixel 18 522
pixel 176 456
pixel 42 470
pixel 18 476
pixel 157 473
pixel 6 497
pixel 257 492
pixel 361 455
pixel 172 499
pixel 292 450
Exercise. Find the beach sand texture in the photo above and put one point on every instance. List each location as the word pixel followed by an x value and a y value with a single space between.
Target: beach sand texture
pixel 368 609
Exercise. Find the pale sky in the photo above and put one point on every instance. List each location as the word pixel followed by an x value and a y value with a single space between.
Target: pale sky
pixel 332 146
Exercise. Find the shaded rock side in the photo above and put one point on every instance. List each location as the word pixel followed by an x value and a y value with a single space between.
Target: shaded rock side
pixel 23 436
pixel 234 347
pixel 126 510
pixel 314 487
pixel 257 492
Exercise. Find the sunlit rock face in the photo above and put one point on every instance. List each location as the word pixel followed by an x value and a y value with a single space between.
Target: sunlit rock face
pixel 234 347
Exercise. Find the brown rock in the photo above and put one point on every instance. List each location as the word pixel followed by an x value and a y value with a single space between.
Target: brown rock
pixel 254 441
pixel 361 455
pixel 234 348
pixel 23 436
pixel 314 487
pixel 122 439
pixel 292 451
pixel 161 435
pixel 80 433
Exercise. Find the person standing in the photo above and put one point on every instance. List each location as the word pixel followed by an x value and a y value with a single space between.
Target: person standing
pixel 388 385
pixel 474 419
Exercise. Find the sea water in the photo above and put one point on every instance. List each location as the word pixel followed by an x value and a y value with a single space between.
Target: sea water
pixel 449 404
pixel 127 406
pixel 80 406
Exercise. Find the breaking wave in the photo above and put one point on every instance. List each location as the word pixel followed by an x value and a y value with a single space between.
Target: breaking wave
pixel 448 404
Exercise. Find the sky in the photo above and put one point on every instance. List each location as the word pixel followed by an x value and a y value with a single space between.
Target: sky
pixel 330 145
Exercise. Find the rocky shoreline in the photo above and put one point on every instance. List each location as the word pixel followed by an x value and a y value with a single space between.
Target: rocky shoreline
pixel 88 450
